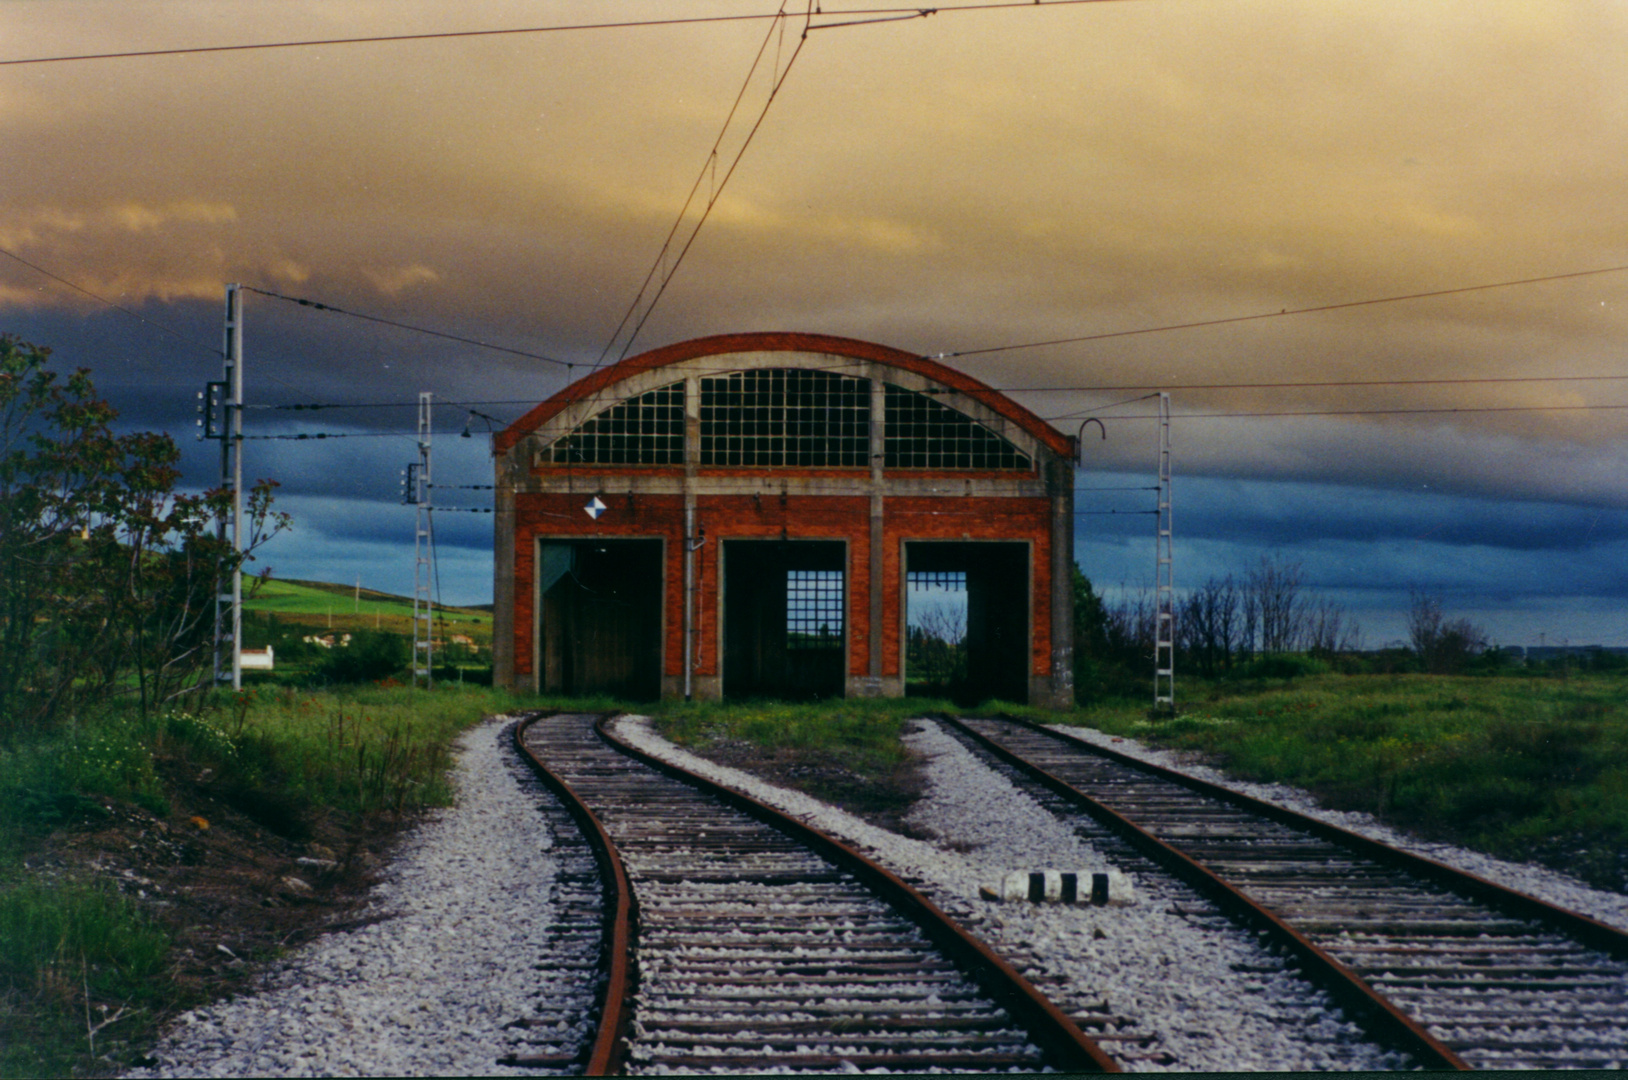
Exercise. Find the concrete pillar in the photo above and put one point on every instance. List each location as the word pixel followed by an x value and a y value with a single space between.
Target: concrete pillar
pixel 503 539
pixel 1060 485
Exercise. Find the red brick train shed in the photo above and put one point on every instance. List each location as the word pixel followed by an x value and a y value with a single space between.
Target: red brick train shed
pixel 744 515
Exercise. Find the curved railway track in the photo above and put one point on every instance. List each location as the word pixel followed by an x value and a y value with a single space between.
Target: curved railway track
pixel 738 939
pixel 1456 970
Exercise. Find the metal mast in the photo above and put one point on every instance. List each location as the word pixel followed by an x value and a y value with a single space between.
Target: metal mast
pixel 423 548
pixel 1164 650
pixel 228 394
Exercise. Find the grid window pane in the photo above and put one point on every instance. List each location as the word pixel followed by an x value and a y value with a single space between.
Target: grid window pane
pixel 814 609
pixel 646 430
pixel 923 434
pixel 785 417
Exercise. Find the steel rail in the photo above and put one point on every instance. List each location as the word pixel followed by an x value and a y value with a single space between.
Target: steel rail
pixel 1070 1048
pixel 620 921
pixel 1585 930
pixel 1385 1021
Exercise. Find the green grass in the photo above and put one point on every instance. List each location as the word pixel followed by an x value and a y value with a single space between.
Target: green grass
pixel 847 752
pixel 78 963
pixel 290 760
pixel 1517 766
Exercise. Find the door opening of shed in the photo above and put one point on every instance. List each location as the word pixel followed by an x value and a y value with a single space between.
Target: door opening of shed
pixel 784 618
pixel 967 620
pixel 600 624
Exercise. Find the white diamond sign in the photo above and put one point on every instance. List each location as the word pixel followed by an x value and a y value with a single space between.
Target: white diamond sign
pixel 595 508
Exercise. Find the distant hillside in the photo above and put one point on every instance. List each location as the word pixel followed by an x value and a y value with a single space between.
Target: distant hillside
pixel 326 605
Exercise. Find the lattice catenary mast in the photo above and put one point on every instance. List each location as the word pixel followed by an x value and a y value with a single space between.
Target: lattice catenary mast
pixel 1164 649
pixel 420 485
pixel 221 406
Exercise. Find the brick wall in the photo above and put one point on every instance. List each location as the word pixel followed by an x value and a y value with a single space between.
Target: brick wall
pixel 770 517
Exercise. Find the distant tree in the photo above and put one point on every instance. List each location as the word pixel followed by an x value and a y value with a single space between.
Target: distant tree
pixel 1443 645
pixel 1090 618
pixel 1210 625
pixel 107 576
pixel 1328 628
pixel 370 655
pixel 1132 626
pixel 1106 657
pixel 1274 587
pixel 937 639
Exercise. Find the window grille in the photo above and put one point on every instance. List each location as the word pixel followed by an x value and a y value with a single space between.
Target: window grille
pixel 646 430
pixel 814 609
pixel 946 580
pixel 922 434
pixel 786 417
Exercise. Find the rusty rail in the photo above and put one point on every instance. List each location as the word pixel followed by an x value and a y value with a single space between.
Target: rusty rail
pixel 620 921
pixel 1385 1021
pixel 1070 1048
pixel 1588 931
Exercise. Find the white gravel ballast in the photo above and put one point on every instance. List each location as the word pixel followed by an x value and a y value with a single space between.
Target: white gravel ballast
pixel 1202 995
pixel 428 990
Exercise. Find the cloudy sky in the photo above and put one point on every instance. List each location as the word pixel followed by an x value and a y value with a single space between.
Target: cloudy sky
pixel 1194 195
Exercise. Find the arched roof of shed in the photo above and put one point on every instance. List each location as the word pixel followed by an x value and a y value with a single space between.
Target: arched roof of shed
pixel 723 344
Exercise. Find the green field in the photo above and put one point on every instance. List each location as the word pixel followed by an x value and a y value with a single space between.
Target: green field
pixel 320 607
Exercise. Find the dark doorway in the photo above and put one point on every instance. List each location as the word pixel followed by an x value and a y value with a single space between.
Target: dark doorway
pixel 601 617
pixel 785 605
pixel 967 620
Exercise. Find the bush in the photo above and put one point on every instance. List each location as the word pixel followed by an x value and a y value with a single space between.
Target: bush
pixel 1279 666
pixel 370 656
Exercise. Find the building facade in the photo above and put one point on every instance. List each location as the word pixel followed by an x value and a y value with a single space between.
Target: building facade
pixel 748 514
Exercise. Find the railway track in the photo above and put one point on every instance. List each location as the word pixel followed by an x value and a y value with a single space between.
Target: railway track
pixel 1457 971
pixel 737 939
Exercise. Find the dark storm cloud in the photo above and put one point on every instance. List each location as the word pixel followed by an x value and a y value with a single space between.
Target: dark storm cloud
pixel 942 185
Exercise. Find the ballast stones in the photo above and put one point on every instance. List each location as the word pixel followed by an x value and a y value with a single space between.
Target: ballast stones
pixel 1097 887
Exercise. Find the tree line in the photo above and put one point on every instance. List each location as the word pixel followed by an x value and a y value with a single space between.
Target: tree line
pixel 1236 619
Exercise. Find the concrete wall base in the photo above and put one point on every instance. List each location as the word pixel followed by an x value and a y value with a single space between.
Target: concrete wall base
pixel 1045 692
pixel 702 687
pixel 866 686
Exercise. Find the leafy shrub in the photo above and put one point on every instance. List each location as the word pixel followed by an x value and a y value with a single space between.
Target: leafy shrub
pixel 370 656
pixel 203 737
pixel 1280 666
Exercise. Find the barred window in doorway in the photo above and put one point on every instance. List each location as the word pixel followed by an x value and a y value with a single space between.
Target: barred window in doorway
pixel 813 609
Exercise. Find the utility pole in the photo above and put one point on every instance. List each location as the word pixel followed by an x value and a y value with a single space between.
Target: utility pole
pixel 221 406
pixel 423 549
pixel 1164 651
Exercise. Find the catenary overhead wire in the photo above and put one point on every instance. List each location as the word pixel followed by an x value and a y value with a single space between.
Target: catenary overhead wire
pixel 1371 412
pixel 1278 314
pixel 901 13
pixel 667 277
pixel 710 162
pixel 727 369
pixel 302 302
